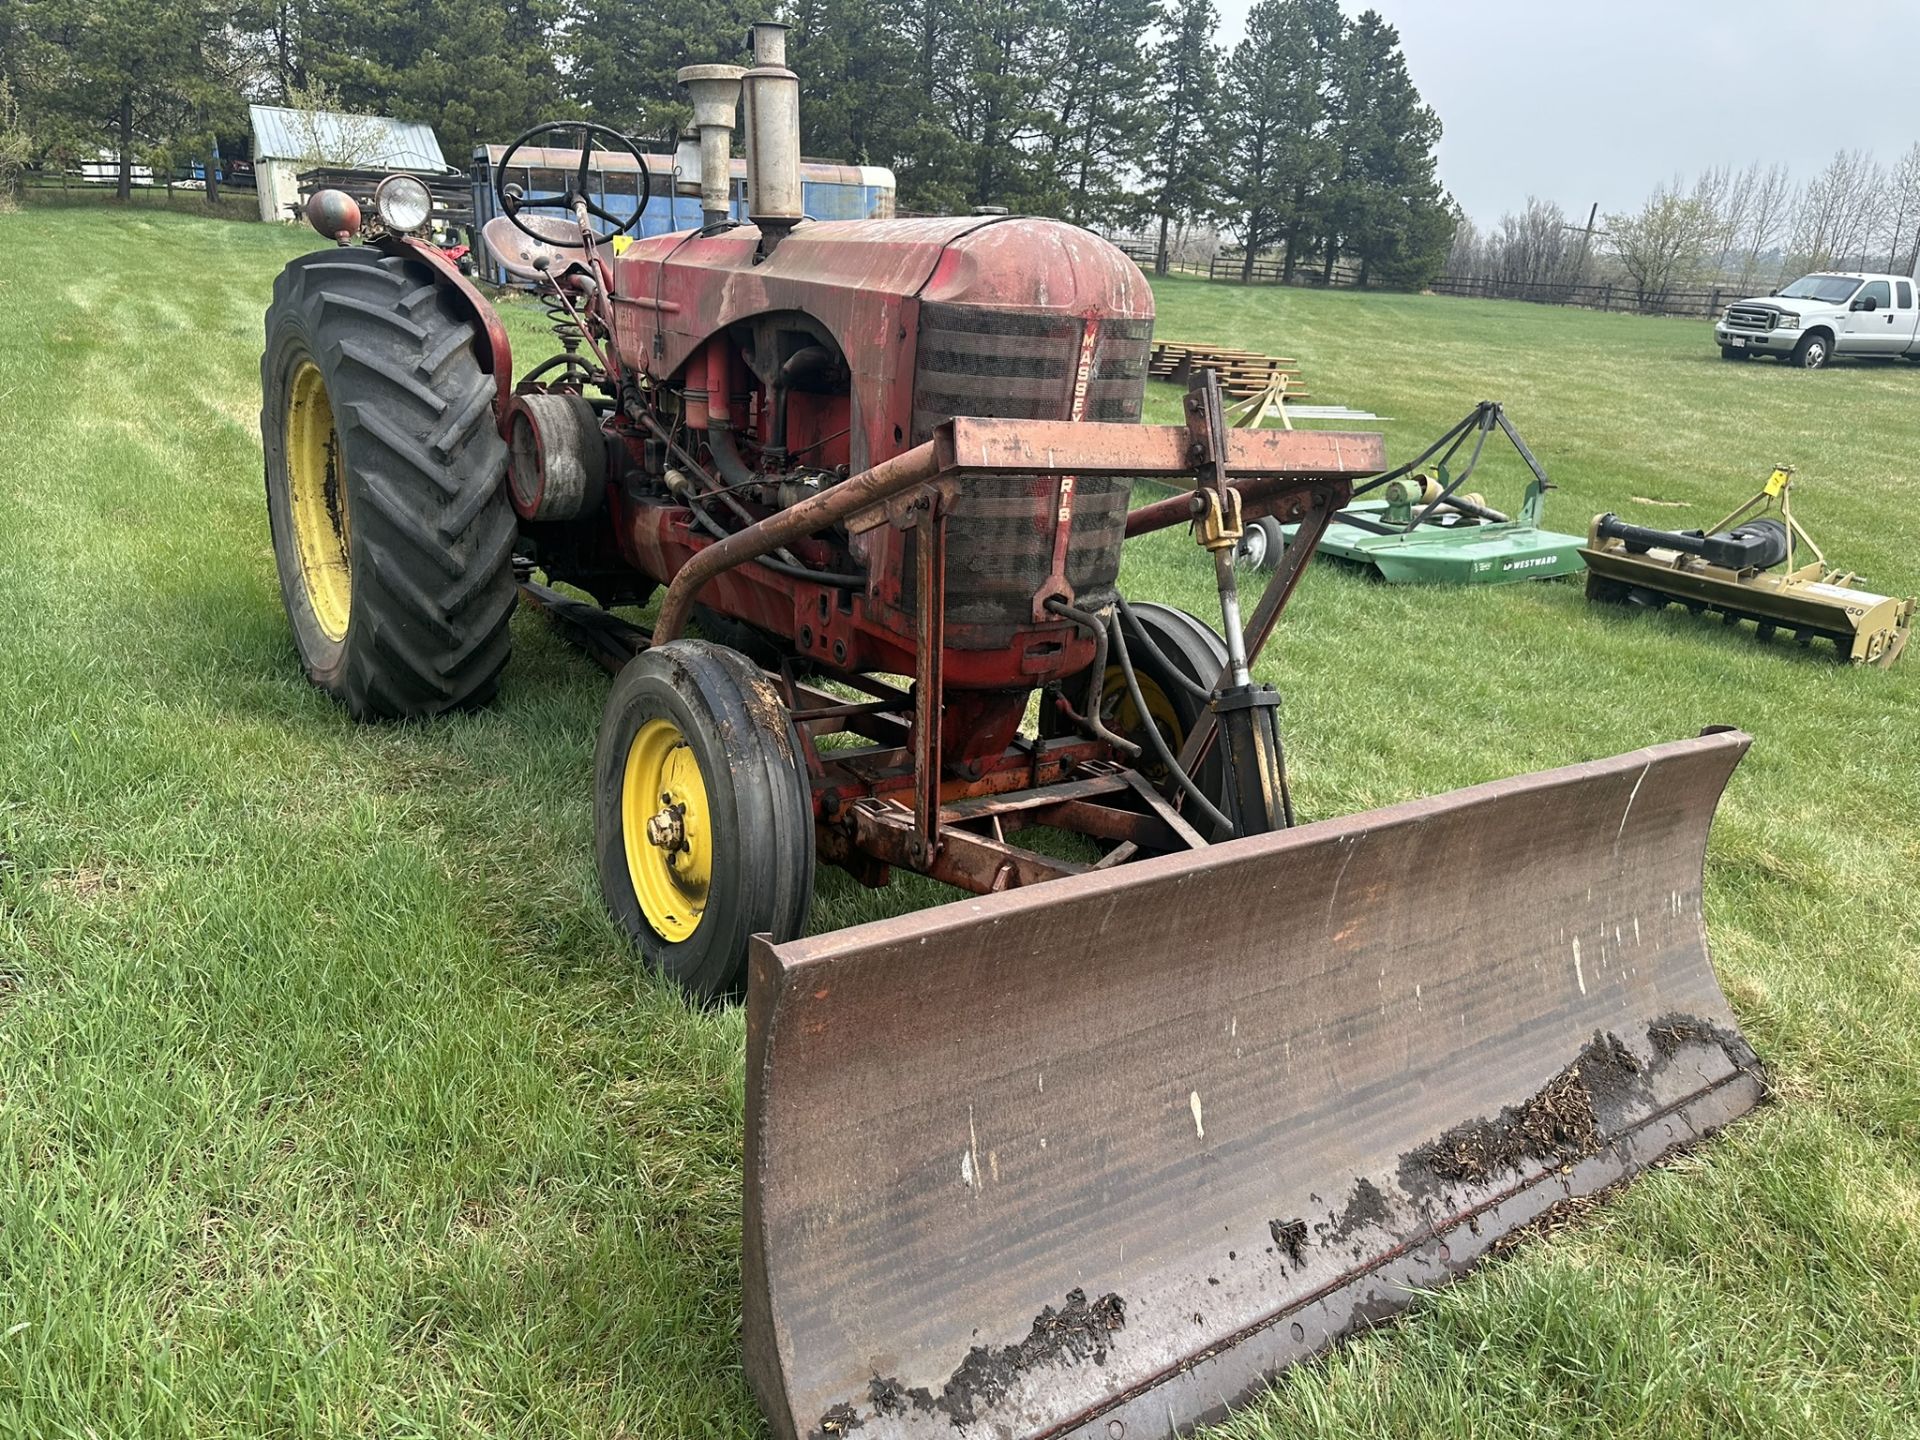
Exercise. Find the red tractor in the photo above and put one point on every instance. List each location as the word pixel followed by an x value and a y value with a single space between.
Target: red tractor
pixel 856 451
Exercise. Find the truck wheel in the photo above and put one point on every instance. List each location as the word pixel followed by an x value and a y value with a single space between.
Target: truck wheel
pixel 1182 654
pixel 1729 352
pixel 392 532
pixel 702 820
pixel 1813 352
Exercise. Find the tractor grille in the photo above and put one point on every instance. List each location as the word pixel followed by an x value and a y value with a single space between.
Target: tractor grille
pixel 1751 317
pixel 1007 365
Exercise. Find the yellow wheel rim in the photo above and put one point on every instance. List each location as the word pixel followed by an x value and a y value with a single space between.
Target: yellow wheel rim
pixel 317 499
pixel 668 828
pixel 1121 715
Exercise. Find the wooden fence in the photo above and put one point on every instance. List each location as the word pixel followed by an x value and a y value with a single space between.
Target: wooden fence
pixel 1271 270
pixel 1693 300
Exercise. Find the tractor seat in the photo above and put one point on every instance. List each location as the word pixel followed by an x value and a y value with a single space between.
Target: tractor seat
pixel 516 252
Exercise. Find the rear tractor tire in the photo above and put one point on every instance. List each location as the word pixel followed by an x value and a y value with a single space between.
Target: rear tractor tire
pixel 392 530
pixel 702 818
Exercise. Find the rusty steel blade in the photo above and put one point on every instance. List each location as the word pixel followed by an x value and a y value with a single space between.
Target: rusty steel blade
pixel 1097 1157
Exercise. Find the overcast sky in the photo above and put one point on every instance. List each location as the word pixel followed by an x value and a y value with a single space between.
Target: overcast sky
pixel 1585 102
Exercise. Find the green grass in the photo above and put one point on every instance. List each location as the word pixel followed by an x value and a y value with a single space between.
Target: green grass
pixel 330 1103
pixel 232 204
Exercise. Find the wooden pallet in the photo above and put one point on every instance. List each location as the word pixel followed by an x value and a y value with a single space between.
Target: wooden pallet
pixel 1243 373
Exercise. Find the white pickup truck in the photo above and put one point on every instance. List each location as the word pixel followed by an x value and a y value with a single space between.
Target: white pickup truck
pixel 1824 315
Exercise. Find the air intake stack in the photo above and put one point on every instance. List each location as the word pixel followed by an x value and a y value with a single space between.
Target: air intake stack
pixel 715 92
pixel 773 135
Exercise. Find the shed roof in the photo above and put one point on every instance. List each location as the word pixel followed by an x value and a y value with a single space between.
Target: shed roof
pixel 342 139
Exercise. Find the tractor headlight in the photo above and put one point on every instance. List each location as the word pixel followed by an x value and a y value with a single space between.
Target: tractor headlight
pixel 403 202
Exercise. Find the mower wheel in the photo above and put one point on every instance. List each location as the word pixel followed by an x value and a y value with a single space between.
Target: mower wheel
pixel 1182 655
pixel 1261 544
pixel 1604 590
pixel 1813 352
pixel 702 821
pixel 392 531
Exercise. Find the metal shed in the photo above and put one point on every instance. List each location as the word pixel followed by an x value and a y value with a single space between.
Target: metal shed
pixel 285 142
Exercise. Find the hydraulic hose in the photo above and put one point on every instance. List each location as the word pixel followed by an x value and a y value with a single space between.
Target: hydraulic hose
pixel 726 456
pixel 1200 692
pixel 840 579
pixel 1096 626
pixel 1140 637
pixel 1159 742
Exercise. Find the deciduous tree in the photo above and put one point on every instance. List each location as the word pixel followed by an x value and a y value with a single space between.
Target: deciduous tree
pixel 1664 243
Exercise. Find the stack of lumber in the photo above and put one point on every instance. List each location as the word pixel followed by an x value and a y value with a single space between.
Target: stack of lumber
pixel 1243 373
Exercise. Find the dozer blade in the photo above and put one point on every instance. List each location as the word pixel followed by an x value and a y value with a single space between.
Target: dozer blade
pixel 1097 1157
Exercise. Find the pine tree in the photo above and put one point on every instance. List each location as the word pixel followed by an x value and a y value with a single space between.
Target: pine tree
pixel 1101 107
pixel 129 75
pixel 1387 209
pixel 1275 121
pixel 993 66
pixel 477 71
pixel 856 62
pixel 622 58
pixel 1184 177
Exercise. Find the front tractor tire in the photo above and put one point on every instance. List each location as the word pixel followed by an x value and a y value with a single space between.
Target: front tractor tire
pixel 702 818
pixel 392 530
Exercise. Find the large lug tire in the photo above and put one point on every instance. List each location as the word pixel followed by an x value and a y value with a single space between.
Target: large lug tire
pixel 702 817
pixel 1182 652
pixel 392 530
pixel 1814 351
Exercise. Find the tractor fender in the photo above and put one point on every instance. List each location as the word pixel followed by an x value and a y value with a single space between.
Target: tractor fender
pixel 496 355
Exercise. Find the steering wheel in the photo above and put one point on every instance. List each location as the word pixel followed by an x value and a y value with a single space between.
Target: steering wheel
pixel 603 139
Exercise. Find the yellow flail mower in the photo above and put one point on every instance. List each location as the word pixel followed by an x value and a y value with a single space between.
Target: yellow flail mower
pixel 1134 1122
pixel 1758 564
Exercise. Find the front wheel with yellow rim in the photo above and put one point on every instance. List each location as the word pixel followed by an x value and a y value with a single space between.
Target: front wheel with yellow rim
pixel 1177 660
pixel 703 823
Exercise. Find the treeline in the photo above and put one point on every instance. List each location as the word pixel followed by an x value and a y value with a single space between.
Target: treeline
pixel 1747 228
pixel 1308 140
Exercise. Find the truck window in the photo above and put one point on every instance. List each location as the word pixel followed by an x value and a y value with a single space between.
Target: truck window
pixel 1906 294
pixel 1879 292
pixel 1828 289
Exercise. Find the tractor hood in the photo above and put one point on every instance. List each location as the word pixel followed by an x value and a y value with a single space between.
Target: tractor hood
pixel 864 281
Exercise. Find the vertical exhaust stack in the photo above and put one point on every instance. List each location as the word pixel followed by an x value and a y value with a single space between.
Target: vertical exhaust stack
pixel 715 91
pixel 773 136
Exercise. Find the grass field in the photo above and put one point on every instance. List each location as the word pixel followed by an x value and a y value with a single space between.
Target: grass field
pixel 331 1105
